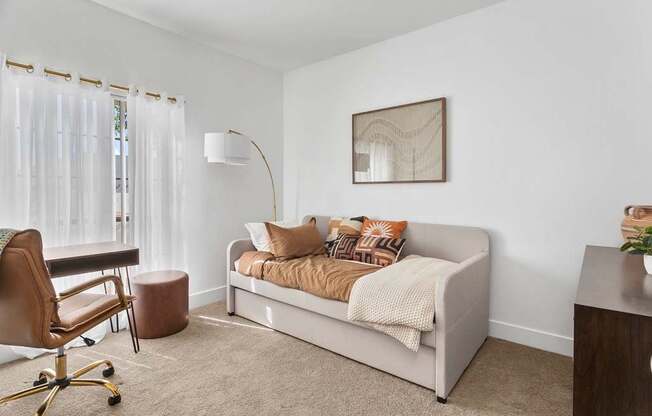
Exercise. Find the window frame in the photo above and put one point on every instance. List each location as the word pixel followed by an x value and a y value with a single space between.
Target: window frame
pixel 123 218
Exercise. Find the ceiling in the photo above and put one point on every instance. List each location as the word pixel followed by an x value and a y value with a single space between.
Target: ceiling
pixel 286 34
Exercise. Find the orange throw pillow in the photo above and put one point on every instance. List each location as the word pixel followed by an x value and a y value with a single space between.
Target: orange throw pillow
pixel 300 241
pixel 382 228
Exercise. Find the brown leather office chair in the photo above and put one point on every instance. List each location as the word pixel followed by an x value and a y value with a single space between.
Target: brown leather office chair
pixel 42 319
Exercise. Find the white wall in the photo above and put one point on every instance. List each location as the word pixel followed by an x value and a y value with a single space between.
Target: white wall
pixel 221 91
pixel 549 137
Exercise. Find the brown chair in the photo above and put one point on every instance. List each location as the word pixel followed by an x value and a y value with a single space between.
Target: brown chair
pixel 42 319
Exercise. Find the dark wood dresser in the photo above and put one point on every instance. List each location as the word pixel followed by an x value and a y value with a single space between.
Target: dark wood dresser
pixel 613 336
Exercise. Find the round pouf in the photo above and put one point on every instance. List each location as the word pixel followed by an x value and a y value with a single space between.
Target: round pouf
pixel 161 305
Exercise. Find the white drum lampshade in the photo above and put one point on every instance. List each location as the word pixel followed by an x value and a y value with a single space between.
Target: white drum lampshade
pixel 234 148
pixel 228 148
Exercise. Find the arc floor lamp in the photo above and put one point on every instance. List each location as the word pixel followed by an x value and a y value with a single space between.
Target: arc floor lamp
pixel 233 148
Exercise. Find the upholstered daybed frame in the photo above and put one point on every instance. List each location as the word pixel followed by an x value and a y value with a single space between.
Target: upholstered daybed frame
pixel 461 310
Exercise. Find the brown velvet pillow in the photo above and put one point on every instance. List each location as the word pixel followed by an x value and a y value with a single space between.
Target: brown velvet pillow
pixel 300 241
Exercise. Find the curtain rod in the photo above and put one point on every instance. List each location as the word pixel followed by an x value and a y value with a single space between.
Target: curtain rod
pixel 67 76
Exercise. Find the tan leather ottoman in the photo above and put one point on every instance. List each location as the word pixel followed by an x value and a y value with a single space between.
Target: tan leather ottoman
pixel 161 305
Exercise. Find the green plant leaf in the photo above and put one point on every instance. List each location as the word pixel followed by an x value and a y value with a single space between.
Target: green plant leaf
pixel 626 246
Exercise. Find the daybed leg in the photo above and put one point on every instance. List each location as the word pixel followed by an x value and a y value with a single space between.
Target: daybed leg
pixel 230 298
pixel 441 400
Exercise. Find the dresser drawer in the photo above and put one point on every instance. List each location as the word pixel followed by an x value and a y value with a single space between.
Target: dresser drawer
pixel 612 363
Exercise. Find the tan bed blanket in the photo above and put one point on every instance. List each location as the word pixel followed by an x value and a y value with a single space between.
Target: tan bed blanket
pixel 318 275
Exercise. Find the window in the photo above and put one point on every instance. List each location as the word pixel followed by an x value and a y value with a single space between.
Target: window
pixel 121 152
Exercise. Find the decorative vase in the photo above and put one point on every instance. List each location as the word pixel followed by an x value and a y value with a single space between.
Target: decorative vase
pixel 647 259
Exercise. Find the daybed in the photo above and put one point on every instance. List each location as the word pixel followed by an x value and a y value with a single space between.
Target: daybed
pixel 461 309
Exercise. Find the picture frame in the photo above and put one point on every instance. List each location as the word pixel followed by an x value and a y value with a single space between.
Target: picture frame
pixel 400 144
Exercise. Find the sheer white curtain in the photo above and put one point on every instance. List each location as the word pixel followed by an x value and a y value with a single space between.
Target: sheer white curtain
pixel 56 160
pixel 156 151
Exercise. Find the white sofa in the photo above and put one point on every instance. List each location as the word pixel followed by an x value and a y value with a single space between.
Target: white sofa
pixel 461 310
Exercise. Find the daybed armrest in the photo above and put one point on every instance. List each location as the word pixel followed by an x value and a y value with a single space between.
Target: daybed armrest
pixel 467 287
pixel 461 319
pixel 235 250
pixel 233 253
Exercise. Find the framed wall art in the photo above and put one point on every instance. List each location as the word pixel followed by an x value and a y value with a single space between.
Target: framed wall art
pixel 406 143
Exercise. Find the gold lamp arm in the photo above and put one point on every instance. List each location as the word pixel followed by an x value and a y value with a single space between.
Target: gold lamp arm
pixel 269 170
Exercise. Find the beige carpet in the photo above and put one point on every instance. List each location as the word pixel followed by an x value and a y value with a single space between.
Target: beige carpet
pixel 229 366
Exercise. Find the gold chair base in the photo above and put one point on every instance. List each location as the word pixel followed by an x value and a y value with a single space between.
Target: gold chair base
pixel 56 381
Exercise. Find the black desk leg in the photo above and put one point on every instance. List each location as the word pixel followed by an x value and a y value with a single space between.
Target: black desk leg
pixel 116 328
pixel 134 333
pixel 131 318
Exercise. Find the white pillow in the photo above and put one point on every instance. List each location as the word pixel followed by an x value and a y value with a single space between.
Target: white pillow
pixel 259 236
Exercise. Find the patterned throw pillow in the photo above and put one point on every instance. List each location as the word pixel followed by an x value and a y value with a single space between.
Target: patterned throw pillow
pixel 382 251
pixel 352 226
pixel 331 245
pixel 381 228
pixel 345 247
pixel 338 226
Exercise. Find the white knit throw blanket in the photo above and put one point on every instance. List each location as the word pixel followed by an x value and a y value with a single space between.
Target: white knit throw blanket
pixel 5 237
pixel 399 300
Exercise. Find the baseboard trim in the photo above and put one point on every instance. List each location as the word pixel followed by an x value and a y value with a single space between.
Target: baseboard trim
pixel 207 296
pixel 531 337
pixel 7 354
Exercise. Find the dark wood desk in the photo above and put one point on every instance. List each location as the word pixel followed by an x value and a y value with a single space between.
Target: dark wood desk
pixel 613 336
pixel 85 258
pixel 95 257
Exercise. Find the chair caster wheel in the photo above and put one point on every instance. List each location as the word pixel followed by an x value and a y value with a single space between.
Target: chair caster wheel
pixel 40 382
pixel 441 400
pixel 108 372
pixel 113 400
pixel 230 313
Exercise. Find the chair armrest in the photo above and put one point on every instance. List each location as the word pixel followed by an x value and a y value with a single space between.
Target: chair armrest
pixel 119 288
